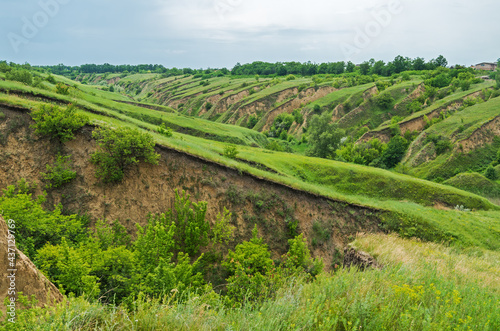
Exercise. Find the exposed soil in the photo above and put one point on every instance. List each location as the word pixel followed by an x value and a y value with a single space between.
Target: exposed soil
pixel 150 189
pixel 27 279
pixel 481 136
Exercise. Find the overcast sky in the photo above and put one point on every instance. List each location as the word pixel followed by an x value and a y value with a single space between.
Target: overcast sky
pixel 220 33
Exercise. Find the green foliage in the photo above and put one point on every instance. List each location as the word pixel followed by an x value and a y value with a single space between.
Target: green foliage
pixel 60 173
pixel 491 173
pixel 68 268
pixel 4 67
pixel 119 149
pixel 281 123
pixel 384 100
pixel 164 130
pixel 324 136
pixel 290 77
pixel 62 89
pixel 393 154
pixel 497 77
pixel 20 75
pixel 465 85
pixel 443 146
pixel 60 123
pixel 222 232
pixel 191 227
pixel 34 225
pixel 361 153
pixel 230 151
pixel 252 121
pixel 51 79
pixel 298 117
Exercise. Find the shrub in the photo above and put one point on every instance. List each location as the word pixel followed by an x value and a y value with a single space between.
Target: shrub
pixel 491 173
pixel 298 117
pixel 442 146
pixel 20 75
pixel 51 79
pixel 465 85
pixel 396 149
pixel 384 100
pixel 252 121
pixel 119 149
pixel 62 89
pixel 58 123
pixel 164 130
pixel 60 173
pixel 230 151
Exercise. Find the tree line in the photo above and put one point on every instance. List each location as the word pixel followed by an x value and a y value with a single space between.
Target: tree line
pixel 399 64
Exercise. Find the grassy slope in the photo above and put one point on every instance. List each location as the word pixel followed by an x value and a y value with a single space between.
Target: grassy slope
pixel 445 101
pixel 404 197
pixel 422 286
pixel 453 162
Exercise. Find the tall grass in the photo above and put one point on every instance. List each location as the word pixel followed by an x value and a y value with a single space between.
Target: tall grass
pixel 422 286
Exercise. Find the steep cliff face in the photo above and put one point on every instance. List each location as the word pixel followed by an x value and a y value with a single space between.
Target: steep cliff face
pixel 19 274
pixel 327 224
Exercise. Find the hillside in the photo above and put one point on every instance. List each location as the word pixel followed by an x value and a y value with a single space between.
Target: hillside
pixel 245 148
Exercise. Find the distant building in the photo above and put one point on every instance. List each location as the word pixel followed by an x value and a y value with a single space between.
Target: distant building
pixel 485 66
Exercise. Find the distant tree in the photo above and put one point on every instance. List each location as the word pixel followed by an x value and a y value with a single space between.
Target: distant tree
pixel 441 61
pixel 418 64
pixel 350 67
pixel 364 68
pixel 324 136
pixel 378 68
pixel 401 63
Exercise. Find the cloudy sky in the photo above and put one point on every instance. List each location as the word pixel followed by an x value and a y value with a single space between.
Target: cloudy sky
pixel 220 33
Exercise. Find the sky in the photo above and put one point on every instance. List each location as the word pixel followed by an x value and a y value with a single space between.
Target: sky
pixel 220 33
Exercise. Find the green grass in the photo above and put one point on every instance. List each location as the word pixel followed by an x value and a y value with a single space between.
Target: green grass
pixel 450 99
pixel 475 183
pixel 389 193
pixel 422 286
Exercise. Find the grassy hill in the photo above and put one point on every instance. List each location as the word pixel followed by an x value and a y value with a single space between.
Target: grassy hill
pixel 421 231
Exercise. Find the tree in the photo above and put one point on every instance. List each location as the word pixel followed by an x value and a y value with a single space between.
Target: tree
pixel 384 100
pixel 58 123
pixel 441 61
pixel 119 149
pixel 324 136
pixel 350 67
pixel 491 173
pixel 396 149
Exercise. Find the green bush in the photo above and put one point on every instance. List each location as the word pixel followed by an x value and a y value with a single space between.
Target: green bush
pixel 60 173
pixel 230 151
pixel 20 75
pixel 51 79
pixel 58 122
pixel 490 173
pixel 393 154
pixel 119 149
pixel 164 130
pixel 35 226
pixel 62 89
pixel 384 100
